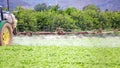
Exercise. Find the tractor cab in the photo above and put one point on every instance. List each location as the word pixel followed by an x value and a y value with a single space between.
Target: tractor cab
pixel 1 13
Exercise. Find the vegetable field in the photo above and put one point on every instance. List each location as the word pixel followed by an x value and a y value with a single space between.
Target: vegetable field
pixel 62 51
pixel 59 57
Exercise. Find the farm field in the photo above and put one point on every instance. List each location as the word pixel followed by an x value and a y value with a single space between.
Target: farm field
pixel 62 51
pixel 47 35
pixel 59 57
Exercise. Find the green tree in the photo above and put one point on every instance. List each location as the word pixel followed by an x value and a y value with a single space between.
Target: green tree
pixel 70 10
pixel 105 20
pixel 41 7
pixel 26 19
pixel 91 7
pixel 54 8
pixel 115 20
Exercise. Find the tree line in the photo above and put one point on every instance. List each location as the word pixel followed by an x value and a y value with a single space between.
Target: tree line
pixel 48 18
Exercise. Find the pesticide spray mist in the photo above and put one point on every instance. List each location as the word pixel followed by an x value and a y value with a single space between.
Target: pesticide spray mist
pixel 67 40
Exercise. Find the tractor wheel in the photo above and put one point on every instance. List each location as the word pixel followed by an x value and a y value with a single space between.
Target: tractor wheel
pixel 6 35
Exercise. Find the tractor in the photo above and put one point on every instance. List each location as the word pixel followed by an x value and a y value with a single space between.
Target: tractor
pixel 8 24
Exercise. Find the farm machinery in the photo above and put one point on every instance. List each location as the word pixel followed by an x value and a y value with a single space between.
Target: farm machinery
pixel 8 24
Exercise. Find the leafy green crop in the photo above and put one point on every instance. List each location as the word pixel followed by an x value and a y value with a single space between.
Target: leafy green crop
pixel 59 57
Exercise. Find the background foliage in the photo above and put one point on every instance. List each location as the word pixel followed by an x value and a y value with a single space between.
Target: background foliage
pixel 48 18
